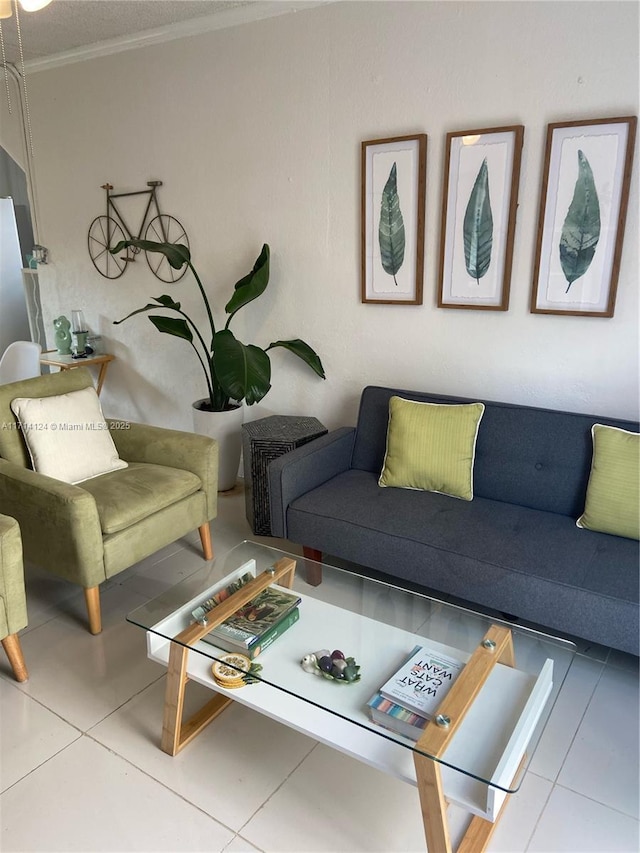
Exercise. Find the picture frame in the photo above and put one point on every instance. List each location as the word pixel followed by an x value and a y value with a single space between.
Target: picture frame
pixel 479 203
pixel 583 208
pixel 394 178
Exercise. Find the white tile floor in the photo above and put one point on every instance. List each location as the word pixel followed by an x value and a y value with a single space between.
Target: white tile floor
pixel 80 767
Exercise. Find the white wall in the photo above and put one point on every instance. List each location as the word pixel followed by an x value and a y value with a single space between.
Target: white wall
pixel 256 133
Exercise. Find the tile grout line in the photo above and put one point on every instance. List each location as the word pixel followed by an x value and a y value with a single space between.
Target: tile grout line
pixel 598 802
pixel 542 810
pixel 46 707
pixel 582 716
pixel 79 735
pixel 126 702
pixel 42 764
pixel 277 788
pixel 162 784
pixel 555 784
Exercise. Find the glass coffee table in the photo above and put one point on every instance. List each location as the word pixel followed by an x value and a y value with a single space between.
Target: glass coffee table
pixel 475 748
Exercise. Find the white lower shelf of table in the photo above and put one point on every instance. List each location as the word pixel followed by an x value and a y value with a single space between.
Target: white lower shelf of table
pixel 490 742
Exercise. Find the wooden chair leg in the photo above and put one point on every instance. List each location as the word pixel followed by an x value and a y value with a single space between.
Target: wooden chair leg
pixel 12 647
pixel 205 537
pixel 313 572
pixel 92 599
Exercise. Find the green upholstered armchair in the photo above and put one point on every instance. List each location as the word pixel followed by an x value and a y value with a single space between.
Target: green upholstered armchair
pixel 13 607
pixel 89 532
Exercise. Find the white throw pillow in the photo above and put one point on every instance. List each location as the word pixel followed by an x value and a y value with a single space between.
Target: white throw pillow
pixel 67 436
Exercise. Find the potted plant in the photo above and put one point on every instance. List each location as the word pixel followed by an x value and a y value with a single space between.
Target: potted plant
pixel 234 372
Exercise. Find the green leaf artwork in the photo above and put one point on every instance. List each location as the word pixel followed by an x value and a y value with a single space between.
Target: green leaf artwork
pixel 478 226
pixel 391 228
pixel 581 229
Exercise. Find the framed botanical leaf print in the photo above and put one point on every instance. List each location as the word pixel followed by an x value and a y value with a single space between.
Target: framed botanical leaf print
pixel 583 208
pixel 479 202
pixel 393 201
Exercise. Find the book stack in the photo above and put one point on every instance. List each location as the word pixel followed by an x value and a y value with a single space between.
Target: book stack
pixel 410 698
pixel 256 625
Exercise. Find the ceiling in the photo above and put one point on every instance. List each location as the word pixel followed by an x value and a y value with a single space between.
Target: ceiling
pixel 68 30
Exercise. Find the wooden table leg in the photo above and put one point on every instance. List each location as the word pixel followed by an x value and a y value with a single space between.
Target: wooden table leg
pixel 497 645
pixel 432 804
pixel 101 376
pixel 312 566
pixel 176 734
pixel 174 699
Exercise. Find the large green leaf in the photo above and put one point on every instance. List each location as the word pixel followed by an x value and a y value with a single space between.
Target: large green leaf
pixel 176 253
pixel 303 351
pixel 478 226
pixel 251 285
pixel 244 372
pixel 165 301
pixel 391 227
pixel 172 326
pixel 581 229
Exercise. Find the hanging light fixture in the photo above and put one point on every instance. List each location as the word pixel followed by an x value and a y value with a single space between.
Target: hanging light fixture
pixel 28 5
pixel 34 5
pixel 6 11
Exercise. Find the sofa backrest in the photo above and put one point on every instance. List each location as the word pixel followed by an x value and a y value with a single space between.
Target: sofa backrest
pixel 538 458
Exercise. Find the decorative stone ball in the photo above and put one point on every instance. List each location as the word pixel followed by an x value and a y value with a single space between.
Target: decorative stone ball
pixel 334 666
pixel 309 663
pixel 325 663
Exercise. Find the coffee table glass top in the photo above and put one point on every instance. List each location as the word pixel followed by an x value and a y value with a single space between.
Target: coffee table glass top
pixel 379 625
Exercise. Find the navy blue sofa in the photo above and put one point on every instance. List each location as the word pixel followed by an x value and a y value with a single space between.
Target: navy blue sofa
pixel 515 548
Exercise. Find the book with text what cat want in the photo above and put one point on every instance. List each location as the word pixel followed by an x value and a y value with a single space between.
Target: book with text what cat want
pixel 422 681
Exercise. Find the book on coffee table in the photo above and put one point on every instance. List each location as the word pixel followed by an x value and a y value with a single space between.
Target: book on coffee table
pixel 257 646
pixel 391 716
pixel 422 681
pixel 251 621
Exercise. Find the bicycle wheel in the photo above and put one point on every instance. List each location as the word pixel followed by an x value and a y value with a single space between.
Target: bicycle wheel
pixel 104 234
pixel 165 229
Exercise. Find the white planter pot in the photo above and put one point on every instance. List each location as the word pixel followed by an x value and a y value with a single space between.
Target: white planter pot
pixel 225 427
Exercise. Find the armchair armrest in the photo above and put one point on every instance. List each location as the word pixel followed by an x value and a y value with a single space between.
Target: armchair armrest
pixel 11 577
pixel 174 448
pixel 305 468
pixel 59 523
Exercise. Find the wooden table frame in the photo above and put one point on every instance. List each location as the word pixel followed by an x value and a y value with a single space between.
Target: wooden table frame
pixel 102 359
pixel 495 647
pixel 176 734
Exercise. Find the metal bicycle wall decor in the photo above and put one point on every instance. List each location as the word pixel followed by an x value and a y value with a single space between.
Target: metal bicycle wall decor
pixel 106 231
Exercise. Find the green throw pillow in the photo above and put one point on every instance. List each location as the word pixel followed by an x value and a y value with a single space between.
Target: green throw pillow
pixel 613 492
pixel 431 447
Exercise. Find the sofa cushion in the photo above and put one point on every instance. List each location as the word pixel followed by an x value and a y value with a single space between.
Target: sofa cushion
pixel 431 447
pixel 124 498
pixel 532 457
pixel 613 494
pixel 513 559
pixel 67 435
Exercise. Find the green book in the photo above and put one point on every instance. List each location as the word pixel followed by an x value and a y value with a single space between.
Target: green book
pixel 251 621
pixel 260 643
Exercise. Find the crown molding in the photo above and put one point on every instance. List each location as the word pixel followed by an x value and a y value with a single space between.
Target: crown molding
pixel 207 23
